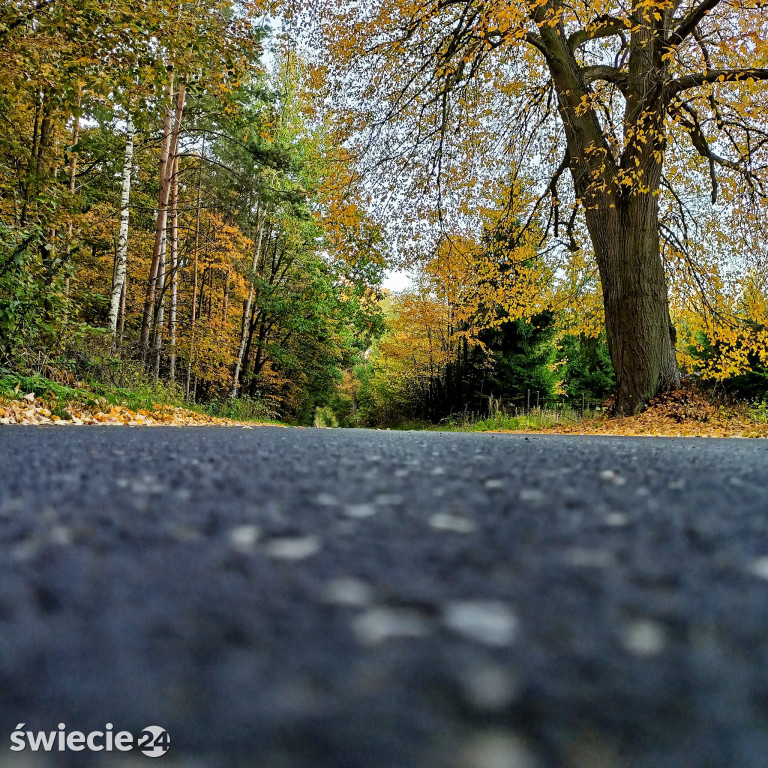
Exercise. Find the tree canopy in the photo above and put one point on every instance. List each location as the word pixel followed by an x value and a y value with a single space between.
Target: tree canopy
pixel 634 131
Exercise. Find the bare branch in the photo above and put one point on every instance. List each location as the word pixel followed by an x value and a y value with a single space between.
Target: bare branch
pixel 699 141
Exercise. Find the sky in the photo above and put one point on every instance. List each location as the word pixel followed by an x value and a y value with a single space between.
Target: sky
pixel 396 281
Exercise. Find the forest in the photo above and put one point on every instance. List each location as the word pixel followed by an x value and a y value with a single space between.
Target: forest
pixel 201 200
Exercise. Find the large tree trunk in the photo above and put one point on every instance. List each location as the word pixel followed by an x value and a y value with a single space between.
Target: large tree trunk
pixel 640 333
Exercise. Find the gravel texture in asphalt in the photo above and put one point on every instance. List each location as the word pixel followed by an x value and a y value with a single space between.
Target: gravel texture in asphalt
pixel 285 598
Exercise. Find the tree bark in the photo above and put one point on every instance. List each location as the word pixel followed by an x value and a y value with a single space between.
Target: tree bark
pixel 169 148
pixel 121 318
pixel 638 327
pixel 31 164
pixel 160 312
pixel 71 186
pixel 260 218
pixel 174 272
pixel 193 320
pixel 121 261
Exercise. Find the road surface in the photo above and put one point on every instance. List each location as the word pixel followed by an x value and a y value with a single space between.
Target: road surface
pixel 286 598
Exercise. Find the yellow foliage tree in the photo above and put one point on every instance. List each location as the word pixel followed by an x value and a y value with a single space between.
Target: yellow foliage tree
pixel 617 115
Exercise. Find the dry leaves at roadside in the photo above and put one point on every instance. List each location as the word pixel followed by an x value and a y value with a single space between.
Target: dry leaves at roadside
pixel 682 413
pixel 32 410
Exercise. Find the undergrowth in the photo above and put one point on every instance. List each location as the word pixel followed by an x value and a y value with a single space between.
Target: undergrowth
pixel 146 395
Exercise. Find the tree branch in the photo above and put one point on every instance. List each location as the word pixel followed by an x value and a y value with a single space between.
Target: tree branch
pixel 607 73
pixel 535 40
pixel 699 141
pixel 601 26
pixel 689 23
pixel 714 76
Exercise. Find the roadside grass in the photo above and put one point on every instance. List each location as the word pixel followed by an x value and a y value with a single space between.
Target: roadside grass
pixel 758 411
pixel 91 393
pixel 238 409
pixel 16 386
pixel 687 412
pixel 535 420
pixel 147 396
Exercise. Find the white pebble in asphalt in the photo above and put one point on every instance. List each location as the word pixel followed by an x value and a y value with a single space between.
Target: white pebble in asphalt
pixel 497 749
pixel 489 622
pixel 380 624
pixel 386 499
pixel 244 537
pixel 293 548
pixel 349 592
pixel 532 495
pixel 644 638
pixel 442 521
pixel 613 477
pixel 759 568
pixel 358 511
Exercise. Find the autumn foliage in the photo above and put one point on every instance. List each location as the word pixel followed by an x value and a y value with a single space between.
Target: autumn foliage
pixel 577 193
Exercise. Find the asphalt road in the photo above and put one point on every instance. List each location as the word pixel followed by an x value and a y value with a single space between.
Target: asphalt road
pixel 284 598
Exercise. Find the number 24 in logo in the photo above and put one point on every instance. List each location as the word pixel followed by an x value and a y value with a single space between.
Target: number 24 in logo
pixel 154 741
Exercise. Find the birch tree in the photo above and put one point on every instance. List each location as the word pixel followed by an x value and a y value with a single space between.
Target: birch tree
pixel 121 260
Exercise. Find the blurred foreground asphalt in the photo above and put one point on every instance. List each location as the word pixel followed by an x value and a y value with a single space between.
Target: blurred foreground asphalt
pixel 285 598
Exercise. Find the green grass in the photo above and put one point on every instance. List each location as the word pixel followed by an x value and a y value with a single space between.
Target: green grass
pixel 537 419
pixel 238 409
pixel 146 395
pixel 758 411
pixel 15 386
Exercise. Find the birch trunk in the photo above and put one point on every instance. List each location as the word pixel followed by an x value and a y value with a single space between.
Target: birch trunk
pixel 121 318
pixel 121 261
